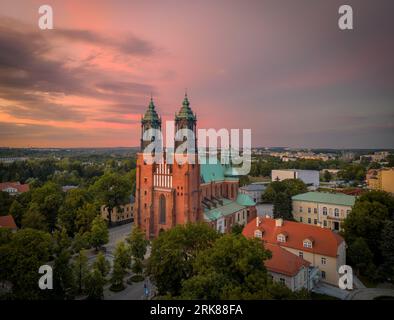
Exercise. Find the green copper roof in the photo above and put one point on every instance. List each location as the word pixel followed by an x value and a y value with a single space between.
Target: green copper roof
pixel 326 197
pixel 229 207
pixel 245 200
pixel 211 172
pixel 186 112
pixel 151 114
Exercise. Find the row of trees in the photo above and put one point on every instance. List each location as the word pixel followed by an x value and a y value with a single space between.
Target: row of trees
pixel 23 252
pixel 369 234
pixel 193 261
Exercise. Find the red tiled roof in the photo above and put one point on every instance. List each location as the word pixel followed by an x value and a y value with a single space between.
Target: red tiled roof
pixel 7 222
pixel 283 261
pixel 325 241
pixel 18 186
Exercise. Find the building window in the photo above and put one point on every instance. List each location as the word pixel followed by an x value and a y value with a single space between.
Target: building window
pixel 258 234
pixel 307 244
pixel 336 212
pixel 301 254
pixel 309 220
pixel 145 205
pixel 309 210
pixel 323 260
pixel 315 221
pixel 347 211
pixel 325 223
pixel 162 209
pixel 325 211
pixel 281 238
pixel 323 274
pixel 314 210
pixel 145 192
pixel 300 209
pixel 300 219
pixel 282 281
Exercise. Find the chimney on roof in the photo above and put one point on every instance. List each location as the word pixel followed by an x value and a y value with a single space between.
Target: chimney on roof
pixel 258 221
pixel 278 222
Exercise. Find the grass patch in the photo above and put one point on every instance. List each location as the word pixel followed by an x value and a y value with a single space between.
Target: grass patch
pixel 135 278
pixel 117 288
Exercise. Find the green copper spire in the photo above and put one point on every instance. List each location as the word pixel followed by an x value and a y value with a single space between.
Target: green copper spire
pixel 151 115
pixel 185 112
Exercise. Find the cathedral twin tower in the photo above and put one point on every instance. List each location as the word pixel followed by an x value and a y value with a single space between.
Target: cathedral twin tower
pixel 166 194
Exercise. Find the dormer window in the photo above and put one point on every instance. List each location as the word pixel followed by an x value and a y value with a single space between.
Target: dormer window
pixel 281 237
pixel 307 243
pixel 258 234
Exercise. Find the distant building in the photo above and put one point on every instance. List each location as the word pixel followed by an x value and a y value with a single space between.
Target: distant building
pixel 381 179
pixel 309 177
pixel 12 159
pixel 324 209
pixel 119 215
pixel 14 188
pixel 254 190
pixel 376 157
pixel 265 209
pixel 68 188
pixel 324 249
pixel 8 222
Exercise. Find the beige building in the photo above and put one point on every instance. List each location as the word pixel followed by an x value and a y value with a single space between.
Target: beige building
pixel 324 209
pixel 123 214
pixel 322 248
pixel 381 179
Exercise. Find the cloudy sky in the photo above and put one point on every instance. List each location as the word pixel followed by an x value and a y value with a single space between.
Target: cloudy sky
pixel 281 68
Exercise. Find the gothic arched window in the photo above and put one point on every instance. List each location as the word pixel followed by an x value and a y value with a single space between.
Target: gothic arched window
pixel 162 209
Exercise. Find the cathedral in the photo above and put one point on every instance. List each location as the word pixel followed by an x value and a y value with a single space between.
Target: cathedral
pixel 168 194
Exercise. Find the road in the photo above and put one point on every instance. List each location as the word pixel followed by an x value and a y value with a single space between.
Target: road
pixel 117 234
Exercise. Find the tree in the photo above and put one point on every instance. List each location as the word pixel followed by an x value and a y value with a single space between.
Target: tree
pixel 231 269
pixel 99 233
pixel 122 255
pixel 118 274
pixel 366 220
pixel 81 241
pixel 63 277
pixel 47 201
pixel 387 249
pixel 137 244
pixel 5 236
pixel 360 256
pixel 112 190
pixel 34 219
pixel 17 210
pixel 327 176
pixel 282 206
pixel 85 216
pixel 5 202
pixel 173 254
pixel 237 228
pixel 102 265
pixel 81 271
pixel 94 285
pixel 74 200
pixel 20 260
pixel 280 192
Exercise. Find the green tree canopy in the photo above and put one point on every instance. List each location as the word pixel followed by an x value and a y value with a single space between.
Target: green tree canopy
pixel 173 254
pixel 99 233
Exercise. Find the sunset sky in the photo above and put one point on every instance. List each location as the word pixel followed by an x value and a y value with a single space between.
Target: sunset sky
pixel 281 68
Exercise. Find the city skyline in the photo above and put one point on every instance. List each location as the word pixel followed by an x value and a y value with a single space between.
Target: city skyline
pixel 283 69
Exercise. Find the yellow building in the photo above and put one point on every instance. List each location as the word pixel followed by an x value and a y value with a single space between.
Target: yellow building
pixel 381 179
pixel 324 209
pixel 119 215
